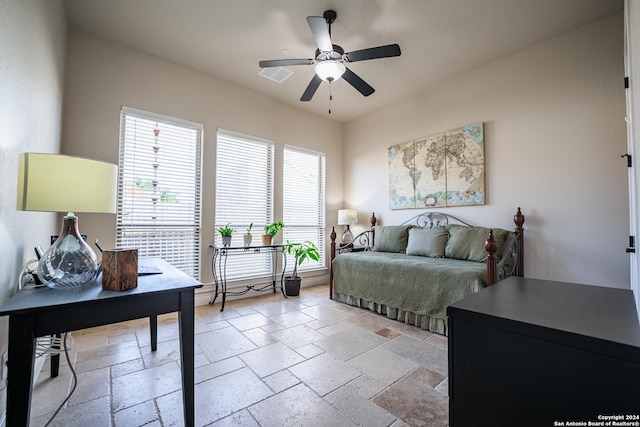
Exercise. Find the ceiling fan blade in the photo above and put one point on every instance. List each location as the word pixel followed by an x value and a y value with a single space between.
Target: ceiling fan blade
pixel 284 62
pixel 311 89
pixel 373 53
pixel 354 80
pixel 320 30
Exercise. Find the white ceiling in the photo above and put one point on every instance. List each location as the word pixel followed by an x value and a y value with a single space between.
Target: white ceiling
pixel 438 38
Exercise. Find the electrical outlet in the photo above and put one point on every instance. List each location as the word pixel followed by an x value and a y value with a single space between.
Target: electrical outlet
pixel 3 368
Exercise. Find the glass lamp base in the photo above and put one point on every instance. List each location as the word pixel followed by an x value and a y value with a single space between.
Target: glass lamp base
pixel 69 262
pixel 347 236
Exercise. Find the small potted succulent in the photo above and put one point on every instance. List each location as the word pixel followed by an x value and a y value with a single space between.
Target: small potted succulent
pixel 301 252
pixel 270 232
pixel 226 233
pixel 247 237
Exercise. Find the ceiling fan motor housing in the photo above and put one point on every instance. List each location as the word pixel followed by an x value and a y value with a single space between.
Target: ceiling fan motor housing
pixel 336 54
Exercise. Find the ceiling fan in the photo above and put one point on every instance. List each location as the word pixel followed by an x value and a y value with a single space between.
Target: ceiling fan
pixel 330 59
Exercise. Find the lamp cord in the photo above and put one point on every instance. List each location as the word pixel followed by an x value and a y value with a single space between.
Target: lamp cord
pixel 75 380
pixel 26 269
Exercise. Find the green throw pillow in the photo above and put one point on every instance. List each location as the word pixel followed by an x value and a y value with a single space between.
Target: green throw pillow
pixel 427 241
pixel 467 243
pixel 391 238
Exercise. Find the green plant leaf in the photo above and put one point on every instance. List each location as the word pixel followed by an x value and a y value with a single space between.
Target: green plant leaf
pixel 273 228
pixel 301 252
pixel 226 230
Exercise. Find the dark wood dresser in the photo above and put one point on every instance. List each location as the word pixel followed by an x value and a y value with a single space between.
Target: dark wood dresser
pixel 531 352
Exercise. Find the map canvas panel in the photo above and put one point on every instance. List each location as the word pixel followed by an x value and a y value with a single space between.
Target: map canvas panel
pixel 465 166
pixel 431 182
pixel 401 176
pixel 446 169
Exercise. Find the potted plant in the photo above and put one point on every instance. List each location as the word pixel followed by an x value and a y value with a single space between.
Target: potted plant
pixel 248 236
pixel 301 252
pixel 270 232
pixel 226 233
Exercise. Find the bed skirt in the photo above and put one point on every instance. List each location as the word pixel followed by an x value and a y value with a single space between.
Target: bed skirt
pixel 432 324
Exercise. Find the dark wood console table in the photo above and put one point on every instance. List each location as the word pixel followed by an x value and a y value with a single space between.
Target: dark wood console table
pixel 38 312
pixel 533 352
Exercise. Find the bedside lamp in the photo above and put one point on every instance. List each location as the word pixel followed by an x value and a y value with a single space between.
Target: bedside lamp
pixel 59 183
pixel 346 217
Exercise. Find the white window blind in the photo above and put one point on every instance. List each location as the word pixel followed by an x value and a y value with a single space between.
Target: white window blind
pixel 244 195
pixel 303 201
pixel 159 188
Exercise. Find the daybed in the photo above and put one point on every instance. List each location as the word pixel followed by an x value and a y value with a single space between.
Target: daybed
pixel 413 271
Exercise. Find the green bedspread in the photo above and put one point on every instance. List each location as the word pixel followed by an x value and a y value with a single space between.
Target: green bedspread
pixel 420 285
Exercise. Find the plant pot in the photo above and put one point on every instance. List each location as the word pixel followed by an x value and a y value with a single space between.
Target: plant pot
pixel 292 286
pixel 226 240
pixel 266 239
pixel 247 239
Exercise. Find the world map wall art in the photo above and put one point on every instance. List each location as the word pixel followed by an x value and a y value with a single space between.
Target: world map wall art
pixel 446 169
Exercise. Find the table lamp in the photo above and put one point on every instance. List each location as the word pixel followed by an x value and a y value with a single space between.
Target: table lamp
pixel 59 183
pixel 346 217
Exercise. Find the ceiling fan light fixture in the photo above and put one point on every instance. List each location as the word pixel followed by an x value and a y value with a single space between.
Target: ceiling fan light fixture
pixel 330 70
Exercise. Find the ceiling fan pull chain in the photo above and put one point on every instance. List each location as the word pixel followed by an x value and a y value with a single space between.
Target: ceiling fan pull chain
pixel 330 96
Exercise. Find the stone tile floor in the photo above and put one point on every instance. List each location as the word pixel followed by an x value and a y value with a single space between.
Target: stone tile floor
pixel 264 361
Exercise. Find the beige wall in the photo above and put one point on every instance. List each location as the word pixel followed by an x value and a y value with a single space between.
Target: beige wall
pixel 554 133
pixel 103 76
pixel 32 51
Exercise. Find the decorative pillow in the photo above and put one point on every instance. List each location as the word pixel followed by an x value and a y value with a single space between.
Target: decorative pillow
pixel 467 243
pixel 427 241
pixel 391 238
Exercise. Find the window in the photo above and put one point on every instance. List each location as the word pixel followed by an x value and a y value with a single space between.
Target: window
pixel 303 201
pixel 244 195
pixel 159 188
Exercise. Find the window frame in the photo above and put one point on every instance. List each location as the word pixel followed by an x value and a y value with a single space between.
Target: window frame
pixel 318 234
pixel 183 222
pixel 249 150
